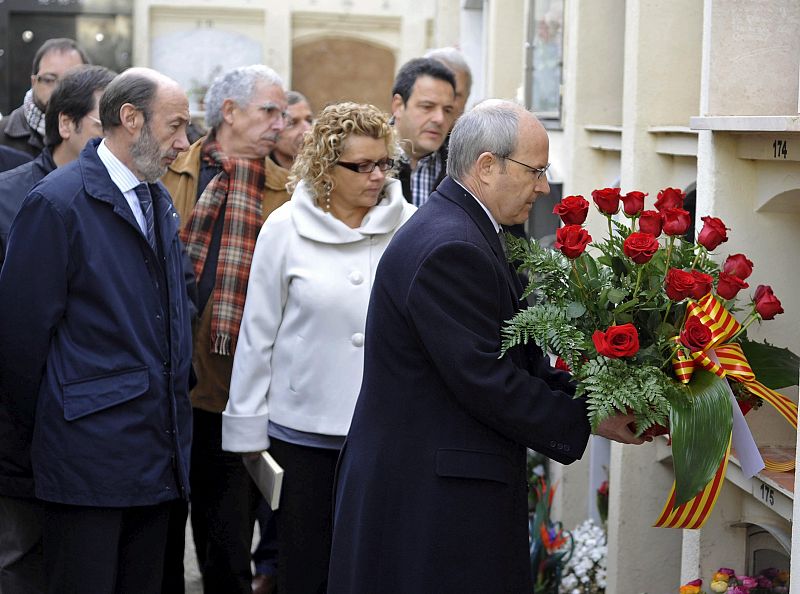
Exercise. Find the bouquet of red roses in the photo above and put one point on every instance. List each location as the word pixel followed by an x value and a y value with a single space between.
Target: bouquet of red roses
pixel 645 322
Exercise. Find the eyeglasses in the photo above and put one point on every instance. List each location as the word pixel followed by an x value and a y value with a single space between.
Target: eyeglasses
pixel 94 119
pixel 47 79
pixel 368 166
pixel 539 171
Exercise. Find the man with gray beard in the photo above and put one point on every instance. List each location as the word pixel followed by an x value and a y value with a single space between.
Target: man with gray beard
pixel 223 188
pixel 95 352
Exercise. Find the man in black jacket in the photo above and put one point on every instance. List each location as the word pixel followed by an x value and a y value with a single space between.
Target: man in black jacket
pixel 23 128
pixel 71 120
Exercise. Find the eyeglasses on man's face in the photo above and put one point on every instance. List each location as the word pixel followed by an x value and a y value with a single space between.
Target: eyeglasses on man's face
pixel 537 171
pixel 368 166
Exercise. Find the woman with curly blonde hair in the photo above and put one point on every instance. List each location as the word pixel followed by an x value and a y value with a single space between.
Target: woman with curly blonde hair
pixel 299 360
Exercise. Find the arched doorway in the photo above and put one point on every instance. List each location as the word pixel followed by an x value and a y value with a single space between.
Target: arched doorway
pixel 329 70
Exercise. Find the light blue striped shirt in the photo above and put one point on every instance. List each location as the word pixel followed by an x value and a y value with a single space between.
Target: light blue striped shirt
pixel 125 180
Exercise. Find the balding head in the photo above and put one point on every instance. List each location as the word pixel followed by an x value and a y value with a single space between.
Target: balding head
pixel 497 151
pixel 136 87
pixel 144 115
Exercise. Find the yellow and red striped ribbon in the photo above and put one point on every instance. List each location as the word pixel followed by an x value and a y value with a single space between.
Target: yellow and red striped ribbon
pixel 732 364
pixel 694 513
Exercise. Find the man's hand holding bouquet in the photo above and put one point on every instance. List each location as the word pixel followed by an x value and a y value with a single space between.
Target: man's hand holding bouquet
pixel 645 322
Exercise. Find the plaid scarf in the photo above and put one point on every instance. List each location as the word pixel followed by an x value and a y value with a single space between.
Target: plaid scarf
pixel 239 186
pixel 33 114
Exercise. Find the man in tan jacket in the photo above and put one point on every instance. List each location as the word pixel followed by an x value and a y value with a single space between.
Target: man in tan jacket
pixel 223 188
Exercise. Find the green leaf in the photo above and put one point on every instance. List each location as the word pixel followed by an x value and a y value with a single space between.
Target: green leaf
pixel 575 310
pixel 618 266
pixel 774 367
pixel 626 306
pixel 616 295
pixel 701 423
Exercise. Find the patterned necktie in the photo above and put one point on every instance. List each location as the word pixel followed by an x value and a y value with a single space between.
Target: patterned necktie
pixel 146 202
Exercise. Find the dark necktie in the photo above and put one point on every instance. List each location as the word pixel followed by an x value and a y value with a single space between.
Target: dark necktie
pixel 515 280
pixel 501 235
pixel 146 202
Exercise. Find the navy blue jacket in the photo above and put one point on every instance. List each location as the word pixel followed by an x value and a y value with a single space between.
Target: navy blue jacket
pixel 96 341
pixel 15 185
pixel 431 484
pixel 10 158
pixel 16 478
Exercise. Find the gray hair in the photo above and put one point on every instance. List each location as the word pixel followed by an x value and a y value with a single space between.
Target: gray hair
pixel 453 59
pixel 237 85
pixel 491 127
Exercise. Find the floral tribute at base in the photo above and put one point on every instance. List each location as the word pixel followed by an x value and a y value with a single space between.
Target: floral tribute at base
pixel 646 322
pixel 769 581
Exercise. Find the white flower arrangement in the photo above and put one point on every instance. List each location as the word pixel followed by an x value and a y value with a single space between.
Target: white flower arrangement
pixel 585 571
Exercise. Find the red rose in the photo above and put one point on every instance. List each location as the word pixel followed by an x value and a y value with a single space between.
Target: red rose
pixel 729 285
pixel 713 233
pixel 640 247
pixel 617 341
pixel 603 488
pixel 695 335
pixel 676 221
pixel 572 240
pixel 702 284
pixel 669 198
pixel 678 284
pixel 560 363
pixel 572 210
pixel 650 222
pixel 767 305
pixel 738 265
pixel 633 203
pixel 607 200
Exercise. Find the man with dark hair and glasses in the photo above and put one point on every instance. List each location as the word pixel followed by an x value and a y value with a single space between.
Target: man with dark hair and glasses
pixel 72 119
pixel 24 128
pixel 423 99
pixel 223 190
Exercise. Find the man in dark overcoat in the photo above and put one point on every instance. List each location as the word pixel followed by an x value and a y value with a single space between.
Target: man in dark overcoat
pixel 95 348
pixel 431 491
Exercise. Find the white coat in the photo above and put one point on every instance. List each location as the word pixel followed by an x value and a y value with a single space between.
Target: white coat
pixel 300 354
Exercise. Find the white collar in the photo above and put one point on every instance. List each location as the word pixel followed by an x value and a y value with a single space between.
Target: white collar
pixel 122 177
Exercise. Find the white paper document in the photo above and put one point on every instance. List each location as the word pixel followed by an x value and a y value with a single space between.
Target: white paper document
pixel 268 476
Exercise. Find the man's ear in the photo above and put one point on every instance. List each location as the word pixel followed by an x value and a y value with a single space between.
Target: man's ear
pixel 130 118
pixel 64 126
pixel 485 164
pixel 397 104
pixel 227 111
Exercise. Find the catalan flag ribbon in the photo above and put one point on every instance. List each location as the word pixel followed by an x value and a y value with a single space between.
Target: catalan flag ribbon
pixel 728 361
